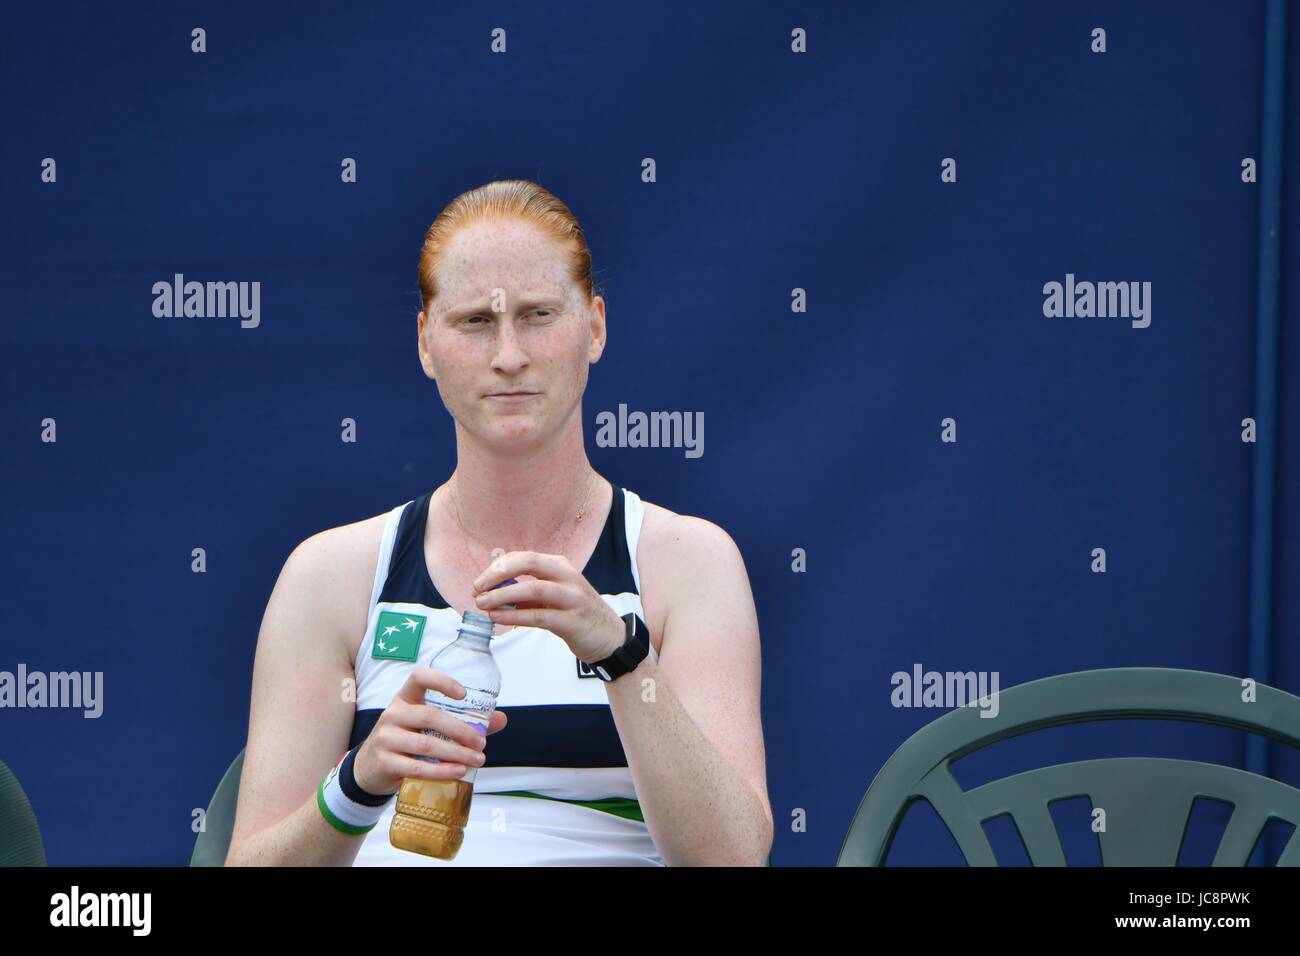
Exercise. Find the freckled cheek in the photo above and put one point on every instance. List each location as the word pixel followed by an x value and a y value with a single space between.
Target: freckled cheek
pixel 456 359
pixel 571 376
pixel 452 367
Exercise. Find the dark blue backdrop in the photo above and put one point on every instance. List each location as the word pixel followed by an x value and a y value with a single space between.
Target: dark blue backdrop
pixel 775 171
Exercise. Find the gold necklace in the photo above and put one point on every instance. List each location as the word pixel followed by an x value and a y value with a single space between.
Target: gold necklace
pixel 569 537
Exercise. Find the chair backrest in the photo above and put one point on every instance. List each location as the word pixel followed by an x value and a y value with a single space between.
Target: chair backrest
pixel 20 837
pixel 219 822
pixel 1147 800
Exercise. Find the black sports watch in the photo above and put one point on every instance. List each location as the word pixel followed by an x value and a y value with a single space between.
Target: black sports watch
pixel 636 645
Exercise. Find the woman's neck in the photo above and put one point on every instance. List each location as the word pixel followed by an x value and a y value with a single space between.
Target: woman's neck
pixel 528 501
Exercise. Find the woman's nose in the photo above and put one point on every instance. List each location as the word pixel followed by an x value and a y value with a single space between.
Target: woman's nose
pixel 509 354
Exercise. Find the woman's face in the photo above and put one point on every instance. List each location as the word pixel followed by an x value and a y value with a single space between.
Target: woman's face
pixel 508 318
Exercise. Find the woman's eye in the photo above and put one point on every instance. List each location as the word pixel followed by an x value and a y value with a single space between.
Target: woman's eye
pixel 539 313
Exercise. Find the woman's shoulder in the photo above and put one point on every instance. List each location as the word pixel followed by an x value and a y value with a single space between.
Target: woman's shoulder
pixel 678 544
pixel 354 543
pixel 687 562
pixel 667 528
pixel 340 564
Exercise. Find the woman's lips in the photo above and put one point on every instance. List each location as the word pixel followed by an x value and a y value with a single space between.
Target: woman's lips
pixel 515 397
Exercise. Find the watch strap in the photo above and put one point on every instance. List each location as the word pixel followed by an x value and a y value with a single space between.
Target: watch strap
pixel 635 648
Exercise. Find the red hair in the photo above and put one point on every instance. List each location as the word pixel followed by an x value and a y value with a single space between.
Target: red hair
pixel 519 199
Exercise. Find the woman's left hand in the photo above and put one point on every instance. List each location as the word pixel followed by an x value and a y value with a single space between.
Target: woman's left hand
pixel 550 594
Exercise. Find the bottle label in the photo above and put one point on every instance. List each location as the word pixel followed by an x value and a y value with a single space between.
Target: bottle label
pixel 475 709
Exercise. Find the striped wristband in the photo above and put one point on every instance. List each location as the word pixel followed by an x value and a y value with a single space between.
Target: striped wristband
pixel 344 805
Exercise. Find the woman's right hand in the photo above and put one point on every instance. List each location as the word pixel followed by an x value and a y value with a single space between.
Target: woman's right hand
pixel 384 757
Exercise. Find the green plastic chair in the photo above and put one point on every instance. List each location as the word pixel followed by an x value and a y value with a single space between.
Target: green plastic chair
pixel 211 846
pixel 1147 800
pixel 20 837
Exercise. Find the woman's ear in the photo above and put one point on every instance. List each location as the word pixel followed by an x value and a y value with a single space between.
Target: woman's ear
pixel 426 360
pixel 597 346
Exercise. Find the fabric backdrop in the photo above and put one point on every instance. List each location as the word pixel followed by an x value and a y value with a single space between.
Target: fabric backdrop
pixel 774 170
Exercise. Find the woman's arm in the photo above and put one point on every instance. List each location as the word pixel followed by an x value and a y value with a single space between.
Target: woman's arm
pixel 300 719
pixel 691 725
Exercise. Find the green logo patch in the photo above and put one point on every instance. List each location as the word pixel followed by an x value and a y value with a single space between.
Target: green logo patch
pixel 397 636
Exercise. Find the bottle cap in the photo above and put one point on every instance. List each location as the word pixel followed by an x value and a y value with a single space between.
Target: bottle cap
pixel 503 584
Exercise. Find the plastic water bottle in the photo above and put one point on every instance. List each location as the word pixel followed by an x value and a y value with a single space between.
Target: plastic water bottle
pixel 431 814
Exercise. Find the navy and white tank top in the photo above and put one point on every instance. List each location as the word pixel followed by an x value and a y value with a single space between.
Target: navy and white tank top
pixel 555 789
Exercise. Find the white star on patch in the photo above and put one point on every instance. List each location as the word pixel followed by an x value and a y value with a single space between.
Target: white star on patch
pixel 390 629
pixel 382 645
pixel 410 624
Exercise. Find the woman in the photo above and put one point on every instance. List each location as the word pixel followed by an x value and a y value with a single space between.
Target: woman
pixel 663 763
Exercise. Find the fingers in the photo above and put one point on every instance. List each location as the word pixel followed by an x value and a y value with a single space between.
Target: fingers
pixel 417 718
pixel 395 750
pixel 409 742
pixel 402 766
pixel 534 593
pixel 426 678
pixel 385 766
pixel 554 567
pixel 497 721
